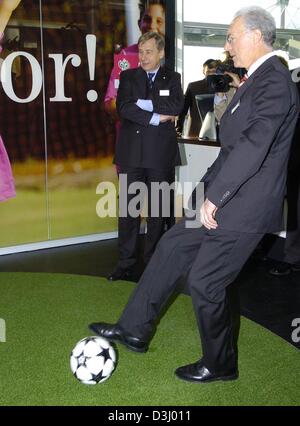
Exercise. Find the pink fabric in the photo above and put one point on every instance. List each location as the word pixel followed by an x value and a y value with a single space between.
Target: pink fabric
pixel 111 92
pixel 7 186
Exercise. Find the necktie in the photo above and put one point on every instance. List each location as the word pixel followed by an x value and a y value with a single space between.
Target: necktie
pixel 244 78
pixel 150 79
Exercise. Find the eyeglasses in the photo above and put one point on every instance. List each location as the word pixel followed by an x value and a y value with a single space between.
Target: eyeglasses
pixel 231 39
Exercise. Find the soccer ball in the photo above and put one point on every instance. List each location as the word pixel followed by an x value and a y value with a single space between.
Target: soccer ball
pixel 93 360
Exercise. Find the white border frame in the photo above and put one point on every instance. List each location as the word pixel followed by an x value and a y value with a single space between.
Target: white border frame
pixel 58 243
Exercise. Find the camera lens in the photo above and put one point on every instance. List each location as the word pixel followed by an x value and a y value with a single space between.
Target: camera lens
pixel 218 82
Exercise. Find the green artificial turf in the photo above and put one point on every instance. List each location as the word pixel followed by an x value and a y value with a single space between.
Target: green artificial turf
pixel 47 314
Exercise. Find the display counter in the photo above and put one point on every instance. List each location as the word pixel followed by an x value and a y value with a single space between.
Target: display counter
pixel 196 156
pixel 197 141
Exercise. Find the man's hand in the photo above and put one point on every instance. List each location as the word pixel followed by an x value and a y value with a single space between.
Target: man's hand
pixel 221 94
pixel 235 79
pixel 207 214
pixel 165 118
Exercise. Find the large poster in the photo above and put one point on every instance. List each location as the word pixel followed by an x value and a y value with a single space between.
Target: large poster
pixel 58 119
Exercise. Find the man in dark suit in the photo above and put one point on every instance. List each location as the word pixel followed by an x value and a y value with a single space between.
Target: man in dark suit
pixel 244 200
pixel 149 98
pixel 291 261
pixel 199 87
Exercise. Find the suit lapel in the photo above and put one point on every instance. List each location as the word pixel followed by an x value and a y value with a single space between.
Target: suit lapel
pixel 239 93
pixel 141 82
pixel 160 79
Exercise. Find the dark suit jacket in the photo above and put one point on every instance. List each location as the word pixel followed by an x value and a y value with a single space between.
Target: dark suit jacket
pixel 195 88
pixel 294 161
pixel 247 181
pixel 139 143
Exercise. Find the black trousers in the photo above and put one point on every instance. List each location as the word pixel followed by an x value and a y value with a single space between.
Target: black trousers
pixel 292 242
pixel 211 260
pixel 129 226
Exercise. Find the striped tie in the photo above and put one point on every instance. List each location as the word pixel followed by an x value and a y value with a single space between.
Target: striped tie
pixel 150 79
pixel 244 78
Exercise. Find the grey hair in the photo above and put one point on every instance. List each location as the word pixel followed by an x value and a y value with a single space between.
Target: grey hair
pixel 257 18
pixel 159 40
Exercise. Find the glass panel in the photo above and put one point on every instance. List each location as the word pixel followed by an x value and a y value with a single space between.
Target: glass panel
pixel 81 132
pixel 179 36
pixel 80 135
pixel 285 12
pixel 23 218
pixel 60 136
pixel 217 12
pixel 197 55
pixel 211 36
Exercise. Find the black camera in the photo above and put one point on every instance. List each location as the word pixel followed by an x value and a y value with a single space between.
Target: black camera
pixel 220 82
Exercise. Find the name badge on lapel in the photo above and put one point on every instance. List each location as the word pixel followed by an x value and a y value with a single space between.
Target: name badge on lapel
pixel 235 107
pixel 164 93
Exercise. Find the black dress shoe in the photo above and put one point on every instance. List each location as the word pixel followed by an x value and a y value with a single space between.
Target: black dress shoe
pixel 284 269
pixel 114 333
pixel 280 270
pixel 197 372
pixel 295 267
pixel 121 274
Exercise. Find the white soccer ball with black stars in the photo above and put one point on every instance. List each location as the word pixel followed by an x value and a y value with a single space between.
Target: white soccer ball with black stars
pixel 93 360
